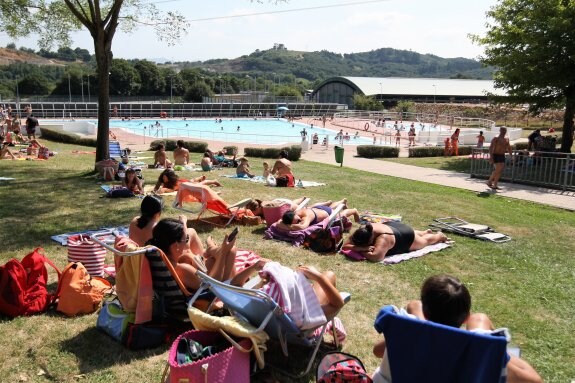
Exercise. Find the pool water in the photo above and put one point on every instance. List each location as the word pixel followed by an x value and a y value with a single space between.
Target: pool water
pixel 264 131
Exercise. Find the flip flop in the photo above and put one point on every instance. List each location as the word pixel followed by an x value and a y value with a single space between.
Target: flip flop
pixel 495 187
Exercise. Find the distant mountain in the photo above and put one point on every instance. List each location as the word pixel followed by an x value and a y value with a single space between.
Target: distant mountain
pixel 314 66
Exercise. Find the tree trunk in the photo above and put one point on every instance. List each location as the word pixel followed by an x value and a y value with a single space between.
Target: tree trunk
pixel 103 54
pixel 567 141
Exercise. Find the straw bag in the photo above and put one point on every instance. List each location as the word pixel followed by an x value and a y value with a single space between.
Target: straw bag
pixel 232 365
pixel 91 254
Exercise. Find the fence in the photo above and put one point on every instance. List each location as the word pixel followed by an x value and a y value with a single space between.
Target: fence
pixel 549 169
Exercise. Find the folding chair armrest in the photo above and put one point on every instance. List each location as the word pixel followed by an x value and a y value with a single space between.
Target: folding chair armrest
pixel 345 296
pixel 241 203
pixel 116 251
pixel 303 204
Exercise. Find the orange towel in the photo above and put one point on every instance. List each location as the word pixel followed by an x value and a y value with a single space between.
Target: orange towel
pixel 134 281
pixel 213 201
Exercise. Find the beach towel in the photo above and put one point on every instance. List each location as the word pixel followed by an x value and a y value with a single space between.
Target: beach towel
pixel 292 291
pixel 371 217
pixel 262 180
pixel 298 237
pixel 397 258
pixel 109 238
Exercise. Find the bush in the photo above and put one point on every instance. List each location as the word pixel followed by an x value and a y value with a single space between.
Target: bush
pixel 438 151
pixel 170 145
pixel 230 150
pixel 294 152
pixel 66 138
pixel 373 151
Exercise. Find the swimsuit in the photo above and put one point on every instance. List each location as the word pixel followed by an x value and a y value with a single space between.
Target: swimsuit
pixel 404 237
pixel 498 158
pixel 327 209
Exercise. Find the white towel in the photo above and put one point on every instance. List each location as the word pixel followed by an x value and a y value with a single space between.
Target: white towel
pixel 297 297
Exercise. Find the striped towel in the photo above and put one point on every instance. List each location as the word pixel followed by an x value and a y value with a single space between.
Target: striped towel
pixel 244 259
pixel 335 329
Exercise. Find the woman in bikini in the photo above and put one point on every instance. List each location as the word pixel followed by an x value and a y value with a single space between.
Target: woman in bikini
pixel 375 241
pixel 168 182
pixel 282 171
pixel 304 218
pixel 132 182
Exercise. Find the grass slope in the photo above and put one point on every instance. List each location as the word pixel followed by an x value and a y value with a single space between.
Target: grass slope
pixel 525 285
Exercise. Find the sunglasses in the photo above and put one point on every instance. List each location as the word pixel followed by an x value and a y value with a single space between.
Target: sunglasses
pixel 187 239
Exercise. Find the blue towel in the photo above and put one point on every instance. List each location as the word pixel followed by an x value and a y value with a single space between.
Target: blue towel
pixel 424 351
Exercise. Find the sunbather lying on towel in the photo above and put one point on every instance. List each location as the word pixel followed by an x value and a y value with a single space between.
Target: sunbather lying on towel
pixel 375 241
pixel 168 182
pixel 309 216
pixel 184 249
pixel 256 205
pixel 290 290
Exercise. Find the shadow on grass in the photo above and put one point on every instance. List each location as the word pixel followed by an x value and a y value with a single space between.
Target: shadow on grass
pixel 460 165
pixel 103 351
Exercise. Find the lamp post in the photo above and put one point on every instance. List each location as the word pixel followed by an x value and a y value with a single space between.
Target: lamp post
pixel 82 85
pixel 88 88
pixel 171 97
pixel 434 92
pixel 380 90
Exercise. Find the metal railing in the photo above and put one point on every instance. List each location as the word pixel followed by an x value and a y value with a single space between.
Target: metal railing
pixel 549 169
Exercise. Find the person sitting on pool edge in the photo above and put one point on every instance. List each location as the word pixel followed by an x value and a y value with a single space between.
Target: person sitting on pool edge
pixel 375 241
pixel 445 300
pixel 309 216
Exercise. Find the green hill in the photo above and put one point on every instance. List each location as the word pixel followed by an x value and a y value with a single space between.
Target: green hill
pixel 317 66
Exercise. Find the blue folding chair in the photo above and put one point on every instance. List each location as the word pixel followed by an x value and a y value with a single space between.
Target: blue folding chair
pixel 262 312
pixel 424 351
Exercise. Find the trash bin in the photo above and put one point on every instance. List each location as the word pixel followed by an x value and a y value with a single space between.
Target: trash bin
pixel 338 154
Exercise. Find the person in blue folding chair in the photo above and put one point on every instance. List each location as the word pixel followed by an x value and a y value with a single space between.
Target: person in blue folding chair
pixel 445 306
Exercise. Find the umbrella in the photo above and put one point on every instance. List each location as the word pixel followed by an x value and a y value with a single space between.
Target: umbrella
pixel 283 108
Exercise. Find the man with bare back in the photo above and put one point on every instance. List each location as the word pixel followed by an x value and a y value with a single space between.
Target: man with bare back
pixel 499 146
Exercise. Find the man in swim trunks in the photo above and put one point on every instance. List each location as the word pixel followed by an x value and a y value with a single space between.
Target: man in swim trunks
pixel 181 154
pixel 375 241
pixel 499 146
pixel 304 218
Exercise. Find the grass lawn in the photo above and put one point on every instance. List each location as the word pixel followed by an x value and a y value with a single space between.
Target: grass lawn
pixel 526 285
pixel 460 164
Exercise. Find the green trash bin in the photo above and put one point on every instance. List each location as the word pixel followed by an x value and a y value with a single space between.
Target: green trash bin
pixel 338 154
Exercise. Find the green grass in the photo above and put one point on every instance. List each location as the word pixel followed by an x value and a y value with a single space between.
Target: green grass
pixel 460 164
pixel 526 285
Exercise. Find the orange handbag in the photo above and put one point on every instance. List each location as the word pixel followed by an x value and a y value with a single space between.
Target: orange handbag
pixel 78 293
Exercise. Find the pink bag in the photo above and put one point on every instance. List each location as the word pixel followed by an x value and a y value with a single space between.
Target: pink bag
pixel 91 254
pixel 229 366
pixel 272 214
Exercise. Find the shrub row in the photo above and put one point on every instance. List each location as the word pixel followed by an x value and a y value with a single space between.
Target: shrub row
pixel 437 151
pixel 66 137
pixel 373 151
pixel 294 152
pixel 170 145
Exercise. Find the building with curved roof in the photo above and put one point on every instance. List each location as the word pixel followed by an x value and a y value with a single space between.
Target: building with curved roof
pixel 392 89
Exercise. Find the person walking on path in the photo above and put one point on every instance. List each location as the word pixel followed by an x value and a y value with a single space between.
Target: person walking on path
pixel 499 146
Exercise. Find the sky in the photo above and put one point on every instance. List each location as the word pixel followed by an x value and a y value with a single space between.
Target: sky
pixel 438 27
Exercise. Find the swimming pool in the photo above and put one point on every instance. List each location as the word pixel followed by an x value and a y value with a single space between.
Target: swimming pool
pixel 263 131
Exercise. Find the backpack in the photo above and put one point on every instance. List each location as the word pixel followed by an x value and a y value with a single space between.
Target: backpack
pixel 120 193
pixel 23 285
pixel 78 293
pixel 337 367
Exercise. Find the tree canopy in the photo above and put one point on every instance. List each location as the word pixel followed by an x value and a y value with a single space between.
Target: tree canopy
pixel 532 46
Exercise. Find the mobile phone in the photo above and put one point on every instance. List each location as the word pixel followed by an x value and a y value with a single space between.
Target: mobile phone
pixel 233 234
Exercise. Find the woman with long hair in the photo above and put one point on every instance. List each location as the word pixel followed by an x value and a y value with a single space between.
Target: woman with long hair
pixel 141 227
pixel 186 253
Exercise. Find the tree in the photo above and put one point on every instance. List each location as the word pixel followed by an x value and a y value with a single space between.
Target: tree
pixel 53 20
pixel 530 43
pixel 34 84
pixel 152 83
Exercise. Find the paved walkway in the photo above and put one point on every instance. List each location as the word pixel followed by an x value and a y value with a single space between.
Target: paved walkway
pixel 552 197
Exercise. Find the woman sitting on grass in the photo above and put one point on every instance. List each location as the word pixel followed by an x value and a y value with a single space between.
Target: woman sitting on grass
pixel 185 251
pixel 132 182
pixel 141 227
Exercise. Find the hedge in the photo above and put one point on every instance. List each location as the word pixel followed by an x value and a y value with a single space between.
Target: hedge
pixel 170 145
pixel 437 151
pixel 294 152
pixel 67 138
pixel 373 151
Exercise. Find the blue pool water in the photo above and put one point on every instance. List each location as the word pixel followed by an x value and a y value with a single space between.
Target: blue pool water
pixel 265 131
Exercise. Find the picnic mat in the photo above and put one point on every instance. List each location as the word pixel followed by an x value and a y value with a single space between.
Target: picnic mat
pixel 62 239
pixel 262 180
pixel 371 217
pixel 397 258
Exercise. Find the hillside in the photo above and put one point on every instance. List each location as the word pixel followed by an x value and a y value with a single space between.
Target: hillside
pixel 313 66
pixel 12 56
